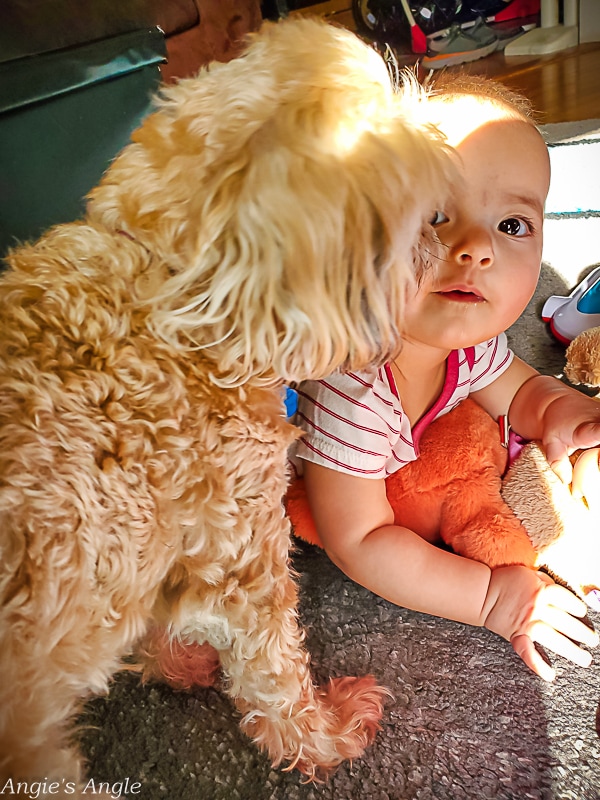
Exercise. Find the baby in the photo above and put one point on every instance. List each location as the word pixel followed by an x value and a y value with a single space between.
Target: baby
pixel 360 427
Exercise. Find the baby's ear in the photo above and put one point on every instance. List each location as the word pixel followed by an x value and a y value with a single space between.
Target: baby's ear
pixel 583 358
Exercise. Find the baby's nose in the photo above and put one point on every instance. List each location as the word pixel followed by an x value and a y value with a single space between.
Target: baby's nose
pixel 474 248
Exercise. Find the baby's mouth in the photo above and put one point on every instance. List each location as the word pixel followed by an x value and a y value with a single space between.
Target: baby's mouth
pixel 462 296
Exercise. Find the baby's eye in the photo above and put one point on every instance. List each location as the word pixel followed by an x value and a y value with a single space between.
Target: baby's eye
pixel 514 227
pixel 438 218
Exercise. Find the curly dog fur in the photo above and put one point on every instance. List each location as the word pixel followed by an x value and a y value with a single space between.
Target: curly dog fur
pixel 260 227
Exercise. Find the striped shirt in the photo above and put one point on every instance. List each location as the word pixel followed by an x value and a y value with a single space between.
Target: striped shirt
pixel 354 421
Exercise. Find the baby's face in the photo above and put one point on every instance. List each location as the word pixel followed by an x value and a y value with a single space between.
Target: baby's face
pixel 491 232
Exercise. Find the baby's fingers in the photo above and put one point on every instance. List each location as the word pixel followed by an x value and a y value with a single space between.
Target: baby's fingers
pixel 557 455
pixel 525 649
pixel 562 645
pixel 586 478
pixel 548 637
pixel 559 610
pixel 558 451
pixel 586 435
pixel 555 596
pixel 556 627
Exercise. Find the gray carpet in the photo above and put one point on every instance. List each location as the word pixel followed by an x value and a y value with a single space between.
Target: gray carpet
pixel 468 720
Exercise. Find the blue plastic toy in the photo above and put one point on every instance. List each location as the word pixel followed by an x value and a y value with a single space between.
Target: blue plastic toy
pixel 570 316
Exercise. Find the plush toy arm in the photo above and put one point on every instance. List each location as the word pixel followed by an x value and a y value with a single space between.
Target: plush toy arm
pixel 296 503
pixel 479 525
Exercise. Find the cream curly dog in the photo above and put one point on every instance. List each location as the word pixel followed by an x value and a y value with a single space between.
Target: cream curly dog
pixel 260 228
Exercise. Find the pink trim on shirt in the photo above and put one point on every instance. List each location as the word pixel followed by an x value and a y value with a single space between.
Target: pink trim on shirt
pixel 450 383
pixel 391 380
pixel 355 434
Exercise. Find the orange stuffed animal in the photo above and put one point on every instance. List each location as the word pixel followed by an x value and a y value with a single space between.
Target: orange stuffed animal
pixel 451 492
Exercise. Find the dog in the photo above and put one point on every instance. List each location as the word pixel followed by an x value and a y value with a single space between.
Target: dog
pixel 260 228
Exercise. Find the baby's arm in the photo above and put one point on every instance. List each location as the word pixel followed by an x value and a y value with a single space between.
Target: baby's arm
pixel 356 525
pixel 561 417
pixel 543 408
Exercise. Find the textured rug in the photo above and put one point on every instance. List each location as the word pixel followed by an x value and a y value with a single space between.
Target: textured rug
pixel 467 720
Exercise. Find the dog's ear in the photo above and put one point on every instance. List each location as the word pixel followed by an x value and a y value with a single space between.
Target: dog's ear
pixel 283 195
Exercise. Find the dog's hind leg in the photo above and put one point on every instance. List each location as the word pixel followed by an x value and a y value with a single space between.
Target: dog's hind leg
pixel 251 620
pixel 312 728
pixel 232 588
pixel 46 675
pixel 55 651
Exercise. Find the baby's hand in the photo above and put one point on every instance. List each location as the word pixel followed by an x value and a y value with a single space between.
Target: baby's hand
pixel 526 606
pixel 571 422
pixel 586 478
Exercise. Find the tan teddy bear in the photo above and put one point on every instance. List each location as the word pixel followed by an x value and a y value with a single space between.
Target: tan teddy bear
pixel 564 530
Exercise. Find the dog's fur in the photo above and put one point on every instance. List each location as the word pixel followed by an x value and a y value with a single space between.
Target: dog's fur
pixel 259 228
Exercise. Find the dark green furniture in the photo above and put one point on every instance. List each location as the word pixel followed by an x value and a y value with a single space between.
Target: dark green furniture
pixel 76 78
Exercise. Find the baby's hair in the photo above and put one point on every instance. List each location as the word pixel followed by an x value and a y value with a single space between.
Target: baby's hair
pixel 449 87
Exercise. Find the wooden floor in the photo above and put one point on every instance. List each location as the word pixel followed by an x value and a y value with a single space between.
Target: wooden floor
pixel 563 86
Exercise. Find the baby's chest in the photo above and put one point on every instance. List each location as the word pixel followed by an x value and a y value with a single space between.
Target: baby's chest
pixel 418 394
